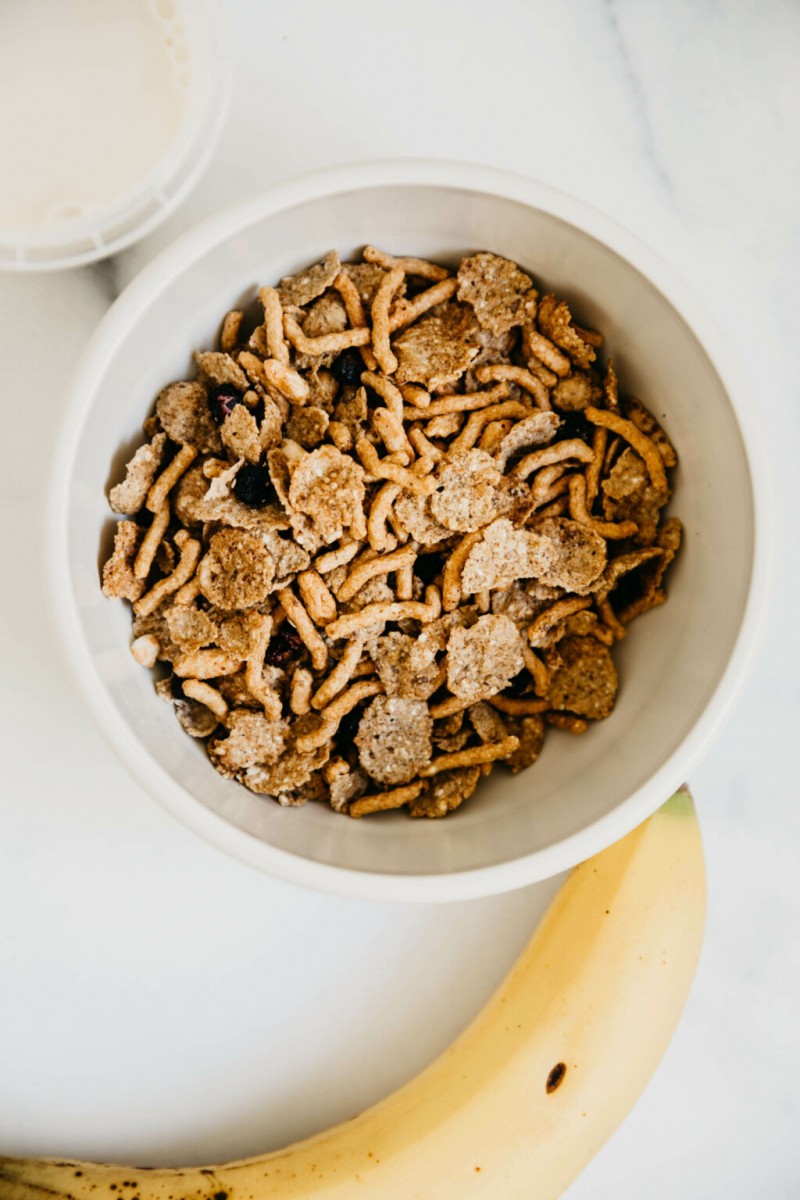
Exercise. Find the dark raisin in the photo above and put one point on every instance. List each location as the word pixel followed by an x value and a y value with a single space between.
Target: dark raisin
pixel 347 367
pixel 428 566
pixel 222 400
pixel 253 486
pixel 519 684
pixel 575 425
pixel 284 647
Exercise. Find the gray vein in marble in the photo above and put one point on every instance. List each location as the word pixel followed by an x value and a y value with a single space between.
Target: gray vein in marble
pixel 639 94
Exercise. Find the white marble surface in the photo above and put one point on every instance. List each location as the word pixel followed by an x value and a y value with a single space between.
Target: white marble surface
pixel 160 1002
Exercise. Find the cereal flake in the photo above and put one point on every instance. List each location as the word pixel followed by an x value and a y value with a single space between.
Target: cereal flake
pixel 394 738
pixel 483 660
pixel 500 293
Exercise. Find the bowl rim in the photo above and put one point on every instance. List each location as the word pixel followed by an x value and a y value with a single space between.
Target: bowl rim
pixel 216 830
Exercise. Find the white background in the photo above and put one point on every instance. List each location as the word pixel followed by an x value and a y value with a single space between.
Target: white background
pixel 161 1003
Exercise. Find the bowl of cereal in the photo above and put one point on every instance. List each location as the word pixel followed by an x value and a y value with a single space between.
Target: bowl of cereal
pixel 407 531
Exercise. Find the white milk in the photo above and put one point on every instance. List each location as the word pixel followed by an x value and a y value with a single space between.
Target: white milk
pixel 92 93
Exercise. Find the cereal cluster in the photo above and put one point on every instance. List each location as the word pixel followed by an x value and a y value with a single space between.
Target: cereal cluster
pixel 391 532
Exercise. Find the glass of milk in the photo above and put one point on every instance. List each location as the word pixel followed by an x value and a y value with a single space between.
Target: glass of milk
pixel 111 112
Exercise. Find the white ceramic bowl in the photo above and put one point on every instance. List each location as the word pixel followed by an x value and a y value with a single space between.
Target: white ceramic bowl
pixel 680 666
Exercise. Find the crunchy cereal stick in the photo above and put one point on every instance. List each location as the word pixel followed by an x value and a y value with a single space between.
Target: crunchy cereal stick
pixel 642 605
pixel 379 565
pixel 341 436
pixel 327 343
pixel 388 392
pixel 545 350
pixel 474 755
pixel 336 558
pixel 206 664
pixel 204 693
pixel 254 669
pixel 409 266
pixel 609 619
pixel 341 674
pixel 332 714
pixel 404 582
pixel 412 309
pixel 590 336
pixel 273 324
pixel 611 388
pixel 146 649
pixel 390 610
pixel 567 722
pixel 646 422
pixel 594 468
pixel 381 469
pixel 569 448
pixel 547 621
pixel 451 576
pixel 556 509
pixel 189 592
pixel 479 420
pixel 300 691
pixel 381 328
pixel 464 402
pixel 317 597
pixel 355 313
pixel 537 368
pixel 390 429
pixel 285 380
pixel 445 425
pixel 229 335
pixel 150 542
pixel 642 444
pixel 537 670
pixel 169 477
pixel 518 706
pixel 493 435
pixel 448 707
pixel 381 801
pixel 423 445
pixel 365 667
pixel 305 627
pixel 543 482
pixel 190 554
pixel 415 395
pixel 380 508
pixel 516 375
pixel 612 531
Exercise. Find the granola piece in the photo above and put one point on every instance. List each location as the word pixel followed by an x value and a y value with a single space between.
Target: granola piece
pixel 513 499
pixel 352 411
pixel 326 315
pixel 235 691
pixel 190 628
pixel 446 792
pixel 155 625
pixel 530 731
pixel 538 429
pixel 488 723
pixel 407 665
pixel 521 601
pixel 293 769
pixel 198 501
pixel 346 786
pixel 130 495
pixel 219 368
pixel 566 554
pixel 494 348
pixel 622 566
pixel 236 571
pixel 555 322
pixel 586 682
pixel 289 558
pixel 119 580
pixel 465 497
pixel 314 789
pixel 438 348
pixel 323 390
pixel 416 518
pixel 500 293
pixel 298 290
pixel 394 738
pixel 502 556
pixel 367 278
pixel 307 426
pixel 628 494
pixel 328 488
pixel 241 435
pixel 483 660
pixel 576 392
pixel 237 635
pixel 182 409
pixel 251 739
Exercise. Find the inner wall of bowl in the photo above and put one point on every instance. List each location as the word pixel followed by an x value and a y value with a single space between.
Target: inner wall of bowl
pixel 670 662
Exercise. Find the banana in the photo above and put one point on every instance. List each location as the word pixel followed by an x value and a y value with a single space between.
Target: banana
pixel 526 1096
